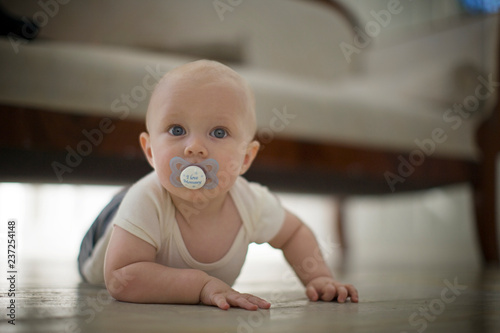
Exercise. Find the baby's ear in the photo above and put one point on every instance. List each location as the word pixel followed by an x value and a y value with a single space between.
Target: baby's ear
pixel 250 154
pixel 146 147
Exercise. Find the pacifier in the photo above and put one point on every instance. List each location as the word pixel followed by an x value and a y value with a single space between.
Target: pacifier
pixel 194 175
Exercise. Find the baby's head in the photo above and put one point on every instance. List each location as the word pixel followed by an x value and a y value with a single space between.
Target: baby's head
pixel 205 73
pixel 199 111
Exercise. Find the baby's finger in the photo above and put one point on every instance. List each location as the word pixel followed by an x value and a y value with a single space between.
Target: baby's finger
pixel 352 292
pixel 341 294
pixel 220 301
pixel 328 292
pixel 240 301
pixel 261 303
pixel 311 293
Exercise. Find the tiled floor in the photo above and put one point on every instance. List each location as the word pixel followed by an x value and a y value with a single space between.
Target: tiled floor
pixel 51 299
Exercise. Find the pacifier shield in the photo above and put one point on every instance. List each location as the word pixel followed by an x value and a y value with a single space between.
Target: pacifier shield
pixel 193 177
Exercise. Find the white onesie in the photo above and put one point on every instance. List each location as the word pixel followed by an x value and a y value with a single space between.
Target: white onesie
pixel 147 212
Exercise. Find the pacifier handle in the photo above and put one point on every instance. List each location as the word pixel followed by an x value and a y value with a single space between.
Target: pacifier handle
pixel 193 177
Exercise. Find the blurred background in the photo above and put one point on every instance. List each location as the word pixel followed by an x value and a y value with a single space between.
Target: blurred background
pixel 373 75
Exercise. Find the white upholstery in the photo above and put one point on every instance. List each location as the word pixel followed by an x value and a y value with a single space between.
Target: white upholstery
pixel 91 53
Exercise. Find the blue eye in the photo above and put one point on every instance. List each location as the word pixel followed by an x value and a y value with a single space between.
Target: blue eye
pixel 219 133
pixel 177 130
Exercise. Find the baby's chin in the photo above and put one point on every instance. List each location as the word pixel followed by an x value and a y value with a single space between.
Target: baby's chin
pixel 197 199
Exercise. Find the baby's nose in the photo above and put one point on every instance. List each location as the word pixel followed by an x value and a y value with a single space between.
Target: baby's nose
pixel 196 148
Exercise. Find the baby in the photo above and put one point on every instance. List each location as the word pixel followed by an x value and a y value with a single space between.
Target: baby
pixel 181 233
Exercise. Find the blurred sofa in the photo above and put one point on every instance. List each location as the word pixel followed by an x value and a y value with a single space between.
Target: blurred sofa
pixel 336 112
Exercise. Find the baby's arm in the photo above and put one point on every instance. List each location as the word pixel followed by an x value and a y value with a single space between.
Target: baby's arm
pixel 132 275
pixel 302 252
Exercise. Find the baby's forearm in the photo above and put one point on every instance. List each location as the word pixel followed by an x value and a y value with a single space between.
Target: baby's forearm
pixel 303 254
pixel 148 282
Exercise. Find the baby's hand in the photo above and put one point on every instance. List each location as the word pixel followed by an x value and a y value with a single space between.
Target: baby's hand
pixel 327 289
pixel 217 293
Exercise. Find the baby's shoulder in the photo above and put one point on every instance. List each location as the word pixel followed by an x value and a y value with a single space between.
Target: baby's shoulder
pixel 147 193
pixel 250 193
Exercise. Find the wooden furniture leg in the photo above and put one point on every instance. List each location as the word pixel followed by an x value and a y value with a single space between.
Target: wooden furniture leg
pixel 485 194
pixel 340 222
pixel 485 191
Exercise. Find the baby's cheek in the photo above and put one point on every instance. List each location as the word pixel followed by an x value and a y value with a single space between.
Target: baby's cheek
pixel 163 171
pixel 224 180
pixel 162 164
pixel 227 176
pixel 231 167
pixel 165 181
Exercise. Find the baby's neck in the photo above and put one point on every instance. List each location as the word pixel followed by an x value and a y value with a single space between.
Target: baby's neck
pixel 194 211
